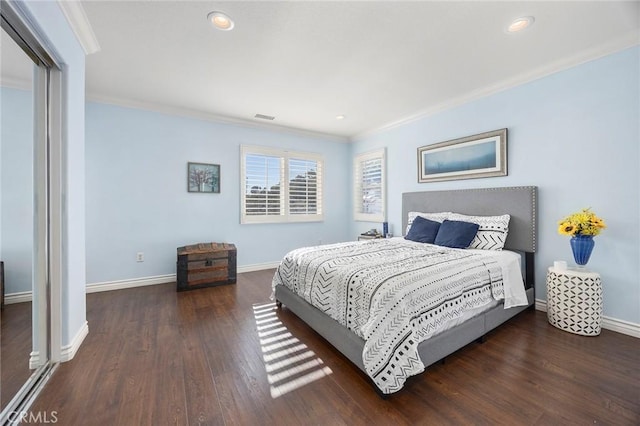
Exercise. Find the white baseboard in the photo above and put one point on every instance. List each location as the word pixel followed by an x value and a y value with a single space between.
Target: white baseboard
pixel 135 282
pixel 34 360
pixel 258 267
pixel 608 323
pixel 67 352
pixel 20 297
pixel 541 305
pixel 620 326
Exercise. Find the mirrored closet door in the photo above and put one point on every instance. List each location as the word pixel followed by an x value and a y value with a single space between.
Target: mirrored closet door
pixel 25 234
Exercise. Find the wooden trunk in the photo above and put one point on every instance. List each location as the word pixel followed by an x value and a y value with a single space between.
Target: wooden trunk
pixel 205 265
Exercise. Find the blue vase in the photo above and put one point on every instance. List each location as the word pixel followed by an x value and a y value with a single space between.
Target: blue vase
pixel 582 246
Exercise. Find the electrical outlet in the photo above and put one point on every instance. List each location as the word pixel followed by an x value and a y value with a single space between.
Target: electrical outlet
pixel 140 257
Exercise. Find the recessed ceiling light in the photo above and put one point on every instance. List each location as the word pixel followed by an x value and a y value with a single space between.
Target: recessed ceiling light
pixel 340 117
pixel 220 20
pixel 265 117
pixel 520 24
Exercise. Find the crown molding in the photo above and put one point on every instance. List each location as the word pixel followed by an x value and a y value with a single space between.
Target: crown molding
pixel 77 18
pixel 206 116
pixel 630 40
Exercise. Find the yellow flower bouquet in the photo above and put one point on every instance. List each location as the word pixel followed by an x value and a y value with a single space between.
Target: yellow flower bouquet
pixel 584 222
pixel 581 227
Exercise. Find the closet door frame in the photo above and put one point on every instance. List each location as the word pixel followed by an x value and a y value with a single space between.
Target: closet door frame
pixel 48 169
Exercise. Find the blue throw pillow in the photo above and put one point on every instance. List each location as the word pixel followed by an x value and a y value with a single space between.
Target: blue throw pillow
pixel 456 234
pixel 423 230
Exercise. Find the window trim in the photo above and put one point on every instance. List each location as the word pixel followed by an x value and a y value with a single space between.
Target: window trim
pixel 285 156
pixel 358 215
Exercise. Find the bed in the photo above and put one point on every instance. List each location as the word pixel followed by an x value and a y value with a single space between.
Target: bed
pixel 385 346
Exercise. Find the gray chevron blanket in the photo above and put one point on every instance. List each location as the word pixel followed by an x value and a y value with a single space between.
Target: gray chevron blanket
pixel 392 293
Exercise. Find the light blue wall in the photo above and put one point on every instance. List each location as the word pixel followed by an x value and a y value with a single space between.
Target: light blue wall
pixel 56 33
pixel 16 165
pixel 576 135
pixel 137 199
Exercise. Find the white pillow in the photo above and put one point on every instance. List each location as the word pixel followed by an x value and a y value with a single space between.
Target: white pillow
pixel 436 217
pixel 492 233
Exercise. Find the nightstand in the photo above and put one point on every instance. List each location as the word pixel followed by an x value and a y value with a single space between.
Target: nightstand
pixel 574 300
pixel 369 237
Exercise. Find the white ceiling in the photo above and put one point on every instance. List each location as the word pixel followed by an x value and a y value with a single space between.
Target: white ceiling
pixel 305 62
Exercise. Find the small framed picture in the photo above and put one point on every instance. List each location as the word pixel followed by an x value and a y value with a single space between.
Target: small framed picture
pixel 203 177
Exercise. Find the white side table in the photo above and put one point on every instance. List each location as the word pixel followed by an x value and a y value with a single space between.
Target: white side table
pixel 369 237
pixel 574 301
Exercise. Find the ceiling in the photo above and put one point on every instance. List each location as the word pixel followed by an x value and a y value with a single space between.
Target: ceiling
pixel 378 63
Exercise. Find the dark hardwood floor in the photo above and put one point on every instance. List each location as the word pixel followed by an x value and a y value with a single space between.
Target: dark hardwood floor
pixel 15 349
pixel 224 356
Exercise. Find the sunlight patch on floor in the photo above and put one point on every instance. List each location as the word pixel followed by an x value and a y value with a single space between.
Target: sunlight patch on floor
pixel 288 362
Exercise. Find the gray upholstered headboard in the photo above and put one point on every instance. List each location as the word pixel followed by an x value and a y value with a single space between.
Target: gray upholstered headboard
pixel 520 202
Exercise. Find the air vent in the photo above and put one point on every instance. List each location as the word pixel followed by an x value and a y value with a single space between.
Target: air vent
pixel 264 117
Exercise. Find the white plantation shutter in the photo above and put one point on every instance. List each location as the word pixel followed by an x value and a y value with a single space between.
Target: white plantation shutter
pixel 280 186
pixel 370 187
pixel 263 177
pixel 304 190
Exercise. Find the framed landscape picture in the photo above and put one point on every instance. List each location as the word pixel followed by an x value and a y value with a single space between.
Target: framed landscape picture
pixel 476 156
pixel 202 177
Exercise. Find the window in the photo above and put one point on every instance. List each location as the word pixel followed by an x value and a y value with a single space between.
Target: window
pixel 370 187
pixel 280 186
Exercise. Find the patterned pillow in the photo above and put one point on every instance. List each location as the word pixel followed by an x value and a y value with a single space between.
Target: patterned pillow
pixel 436 217
pixel 492 233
